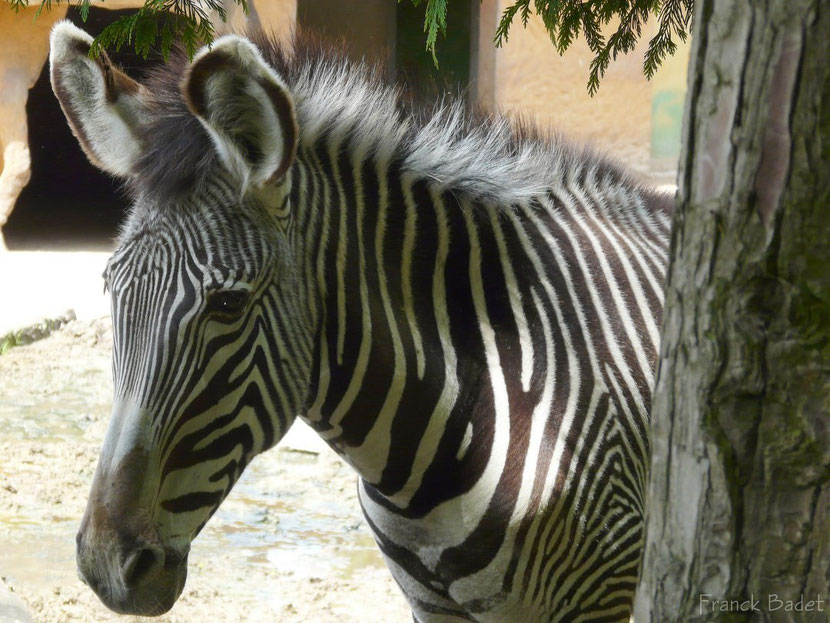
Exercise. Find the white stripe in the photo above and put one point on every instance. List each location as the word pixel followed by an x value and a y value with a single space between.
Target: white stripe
pixel 409 234
pixel 428 444
pixel 515 297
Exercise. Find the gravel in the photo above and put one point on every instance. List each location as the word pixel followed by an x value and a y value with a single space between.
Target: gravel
pixel 288 545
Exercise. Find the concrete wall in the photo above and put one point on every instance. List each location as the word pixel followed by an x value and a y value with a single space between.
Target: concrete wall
pixel 24 46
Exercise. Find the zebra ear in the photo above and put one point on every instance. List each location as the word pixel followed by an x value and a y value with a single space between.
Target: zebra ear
pixel 102 104
pixel 245 107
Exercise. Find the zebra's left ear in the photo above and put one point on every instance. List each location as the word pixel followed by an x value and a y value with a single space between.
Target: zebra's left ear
pixel 105 107
pixel 245 107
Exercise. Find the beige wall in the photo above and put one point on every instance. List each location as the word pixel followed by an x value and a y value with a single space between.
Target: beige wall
pixel 530 78
pixel 24 45
pixel 668 95
pixel 277 16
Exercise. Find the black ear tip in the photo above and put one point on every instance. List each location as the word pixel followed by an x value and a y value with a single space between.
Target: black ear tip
pixel 203 67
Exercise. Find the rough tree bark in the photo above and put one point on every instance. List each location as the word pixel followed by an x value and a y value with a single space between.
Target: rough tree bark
pixel 739 497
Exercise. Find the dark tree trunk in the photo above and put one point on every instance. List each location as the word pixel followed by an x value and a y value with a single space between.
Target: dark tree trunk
pixel 739 497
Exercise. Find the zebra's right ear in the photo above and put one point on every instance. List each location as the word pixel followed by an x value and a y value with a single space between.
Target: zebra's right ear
pixel 103 105
pixel 246 109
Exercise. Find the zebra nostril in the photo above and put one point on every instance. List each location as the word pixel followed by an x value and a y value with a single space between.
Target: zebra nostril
pixel 140 564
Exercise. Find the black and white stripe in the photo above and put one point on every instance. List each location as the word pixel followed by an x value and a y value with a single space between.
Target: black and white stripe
pixel 488 372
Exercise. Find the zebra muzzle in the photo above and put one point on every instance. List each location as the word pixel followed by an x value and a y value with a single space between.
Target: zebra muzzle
pixel 132 576
pixel 121 554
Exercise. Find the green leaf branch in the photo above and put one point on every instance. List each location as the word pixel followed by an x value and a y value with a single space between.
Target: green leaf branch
pixel 188 21
pixel 161 22
pixel 564 20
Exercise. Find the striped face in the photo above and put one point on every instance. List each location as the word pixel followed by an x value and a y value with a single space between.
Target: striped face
pixel 201 303
pixel 212 327
pixel 211 360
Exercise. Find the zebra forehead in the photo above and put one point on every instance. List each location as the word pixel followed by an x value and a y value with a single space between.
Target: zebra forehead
pixel 229 242
pixel 480 155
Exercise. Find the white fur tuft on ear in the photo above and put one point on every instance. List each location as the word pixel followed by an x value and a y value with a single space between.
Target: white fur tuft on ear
pixel 245 107
pixel 103 105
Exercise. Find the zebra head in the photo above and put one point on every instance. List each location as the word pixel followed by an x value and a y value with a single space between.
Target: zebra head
pixel 213 319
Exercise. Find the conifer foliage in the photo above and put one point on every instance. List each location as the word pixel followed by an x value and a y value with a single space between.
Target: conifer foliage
pixel 161 22
pixel 566 19
pixel 164 22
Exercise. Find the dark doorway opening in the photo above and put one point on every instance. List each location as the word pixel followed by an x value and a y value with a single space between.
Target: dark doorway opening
pixel 68 203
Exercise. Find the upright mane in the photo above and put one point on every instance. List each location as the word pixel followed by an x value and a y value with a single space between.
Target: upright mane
pixel 466 151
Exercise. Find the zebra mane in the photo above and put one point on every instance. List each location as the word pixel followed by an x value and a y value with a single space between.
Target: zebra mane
pixel 465 151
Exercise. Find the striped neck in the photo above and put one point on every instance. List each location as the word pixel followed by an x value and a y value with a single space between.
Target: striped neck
pixel 379 239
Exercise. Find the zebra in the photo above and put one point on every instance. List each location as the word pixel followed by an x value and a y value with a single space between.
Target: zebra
pixel 466 310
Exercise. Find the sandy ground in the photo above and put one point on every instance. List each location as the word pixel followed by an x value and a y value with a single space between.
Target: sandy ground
pixel 288 545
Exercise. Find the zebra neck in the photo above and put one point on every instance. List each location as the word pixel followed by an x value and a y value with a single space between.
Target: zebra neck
pixel 385 380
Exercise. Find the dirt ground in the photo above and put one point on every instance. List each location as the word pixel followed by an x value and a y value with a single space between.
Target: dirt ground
pixel 288 545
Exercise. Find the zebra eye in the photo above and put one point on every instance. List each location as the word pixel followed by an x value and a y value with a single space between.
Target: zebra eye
pixel 227 303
